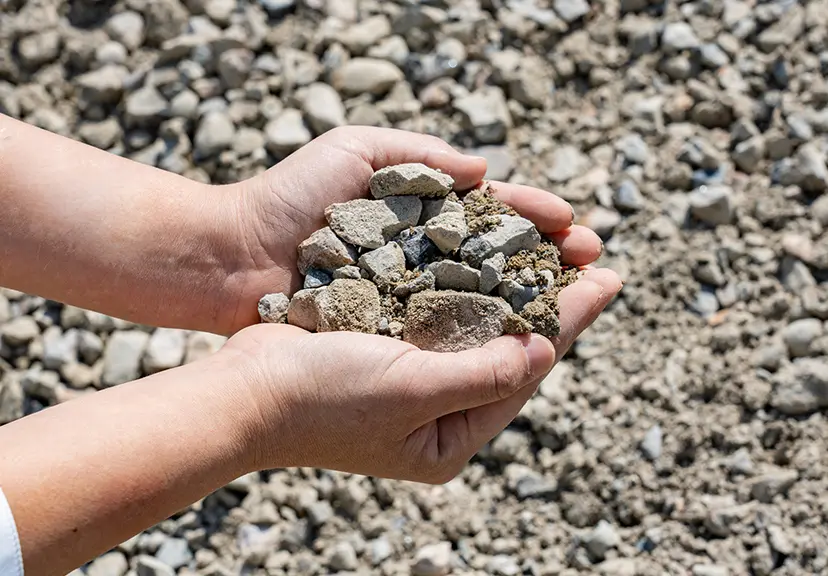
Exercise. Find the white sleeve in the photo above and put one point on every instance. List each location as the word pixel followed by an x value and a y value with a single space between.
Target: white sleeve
pixel 11 560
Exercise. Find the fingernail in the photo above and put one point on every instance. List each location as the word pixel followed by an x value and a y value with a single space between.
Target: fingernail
pixel 541 355
pixel 572 218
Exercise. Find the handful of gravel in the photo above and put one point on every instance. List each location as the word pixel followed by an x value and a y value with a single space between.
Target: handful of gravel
pixel 419 263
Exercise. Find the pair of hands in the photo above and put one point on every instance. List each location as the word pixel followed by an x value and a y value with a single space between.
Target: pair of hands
pixel 368 404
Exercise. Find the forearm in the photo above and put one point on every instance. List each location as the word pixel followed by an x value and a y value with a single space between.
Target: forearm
pixel 85 227
pixel 84 476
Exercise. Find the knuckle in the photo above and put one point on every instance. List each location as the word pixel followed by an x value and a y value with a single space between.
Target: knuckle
pixel 505 378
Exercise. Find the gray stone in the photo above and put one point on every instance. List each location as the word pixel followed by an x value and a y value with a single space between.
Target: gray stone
pixel 59 348
pixel 149 566
pixel 800 336
pixel 813 173
pixel 510 237
pixel 319 512
pixel 248 142
pixel 215 133
pixel 651 444
pixel 234 67
pixel 19 331
pixel 628 197
pixel 500 162
pixel 633 148
pixel 286 133
pixel 776 481
pixel 679 36
pixel 372 223
pixel 12 399
pixel 145 106
pixel 273 308
pixel 570 10
pixel 380 550
pixel 601 540
pixel 517 295
pixel 450 275
pixel 110 564
pixel 410 180
pixel 502 565
pixel 486 113
pixel 447 231
pixel 713 56
pixel 316 278
pixel 447 321
pixel 202 344
pixel 343 557
pixel 802 388
pixel 347 273
pixel 185 104
pixel 349 305
pixel 384 265
pixel 90 346
pixel 432 560
pixel 602 221
pixel 324 250
pixel 709 570
pixel 416 246
pixel 491 273
pixel 323 108
pixel 748 154
pixel 360 36
pixel 366 76
pixel 712 204
pixel 174 552
pixel 433 208
pixel 567 163
pixel 165 350
pixel 122 356
pixel 303 311
pixel 127 28
pixel 39 49
pixel 104 85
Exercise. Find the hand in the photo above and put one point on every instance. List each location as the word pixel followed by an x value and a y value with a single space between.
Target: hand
pixel 278 210
pixel 376 406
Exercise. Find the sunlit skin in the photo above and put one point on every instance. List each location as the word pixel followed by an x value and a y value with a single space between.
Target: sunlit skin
pixel 104 233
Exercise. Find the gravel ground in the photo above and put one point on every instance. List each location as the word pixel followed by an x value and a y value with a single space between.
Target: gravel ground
pixel 686 432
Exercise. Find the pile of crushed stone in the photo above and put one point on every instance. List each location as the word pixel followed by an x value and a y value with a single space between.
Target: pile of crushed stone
pixel 419 263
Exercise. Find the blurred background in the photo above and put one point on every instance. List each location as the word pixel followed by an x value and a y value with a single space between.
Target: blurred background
pixel 686 431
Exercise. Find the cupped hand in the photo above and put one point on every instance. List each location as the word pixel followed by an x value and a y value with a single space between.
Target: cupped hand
pixel 376 406
pixel 275 212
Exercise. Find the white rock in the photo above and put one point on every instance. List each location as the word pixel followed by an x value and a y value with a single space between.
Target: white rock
pixel 323 108
pixel 165 350
pixel 122 356
pixel 366 76
pixel 286 133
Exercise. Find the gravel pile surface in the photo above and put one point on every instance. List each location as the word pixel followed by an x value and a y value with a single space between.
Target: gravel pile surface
pixel 685 433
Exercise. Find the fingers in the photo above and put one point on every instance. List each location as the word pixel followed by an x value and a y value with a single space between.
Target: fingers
pixel 579 245
pixel 548 212
pixel 452 382
pixel 581 303
pixel 381 147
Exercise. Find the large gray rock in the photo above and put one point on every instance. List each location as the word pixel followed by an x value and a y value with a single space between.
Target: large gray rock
pixel 372 223
pixel 447 231
pixel 349 305
pixel 122 356
pixel 450 275
pixel 384 265
pixel 366 76
pixel 486 113
pixel 324 250
pixel 510 237
pixel 410 180
pixel 448 321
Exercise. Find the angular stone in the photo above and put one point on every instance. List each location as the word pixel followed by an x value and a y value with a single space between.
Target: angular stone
pixel 450 275
pixel 410 180
pixel 323 108
pixel 433 208
pixel 423 282
pixel 803 388
pixel 678 36
pixel 777 481
pixel 749 153
pixel 510 237
pixel 447 231
pixel 602 538
pixel 20 331
pixel 174 552
pixel 416 246
pixel 104 85
pixel 349 305
pixel 384 265
pixel 491 273
pixel 486 113
pixel 273 308
pixel 347 273
pixel 800 336
pixel 286 133
pixel 517 295
pixel 324 250
pixel 111 564
pixel 372 223
pixel 303 311
pixel 202 344
pixel 59 348
pixel 149 566
pixel 567 163
pixel 712 204
pixel 215 133
pixel 122 356
pixel 316 279
pixel 447 321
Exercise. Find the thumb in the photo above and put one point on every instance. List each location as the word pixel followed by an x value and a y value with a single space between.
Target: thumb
pixel 382 147
pixel 453 382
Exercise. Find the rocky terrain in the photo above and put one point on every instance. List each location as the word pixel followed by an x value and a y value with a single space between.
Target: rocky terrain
pixel 686 431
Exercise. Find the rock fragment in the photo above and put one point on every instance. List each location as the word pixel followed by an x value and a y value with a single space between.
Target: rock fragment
pixel 447 231
pixel 384 265
pixel 416 246
pixel 491 273
pixel 450 275
pixel 517 295
pixel 448 321
pixel 410 180
pixel 303 310
pixel 372 223
pixel 122 357
pixel 273 308
pixel 432 560
pixel 324 250
pixel 486 113
pixel 349 305
pixel 512 235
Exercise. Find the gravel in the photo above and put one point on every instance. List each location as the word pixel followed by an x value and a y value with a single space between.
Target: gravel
pixel 713 111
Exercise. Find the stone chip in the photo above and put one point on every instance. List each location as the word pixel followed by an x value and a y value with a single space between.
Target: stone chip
pixel 410 180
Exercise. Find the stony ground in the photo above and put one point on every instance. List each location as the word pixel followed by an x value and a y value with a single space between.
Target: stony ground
pixel 686 432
